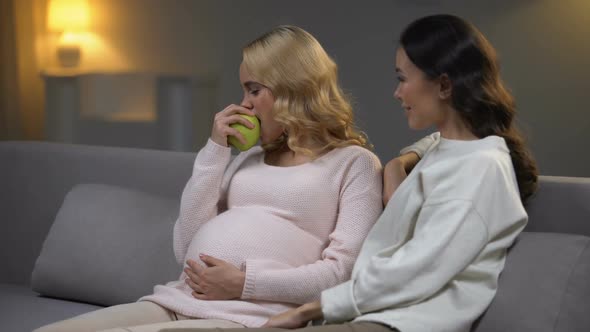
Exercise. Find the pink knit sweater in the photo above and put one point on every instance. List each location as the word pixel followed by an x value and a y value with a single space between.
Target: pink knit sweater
pixel 295 230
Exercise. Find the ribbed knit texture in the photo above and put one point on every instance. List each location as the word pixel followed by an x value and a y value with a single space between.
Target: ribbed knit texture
pixel 295 230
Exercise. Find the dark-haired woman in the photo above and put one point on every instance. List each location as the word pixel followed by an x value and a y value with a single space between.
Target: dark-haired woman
pixel 432 260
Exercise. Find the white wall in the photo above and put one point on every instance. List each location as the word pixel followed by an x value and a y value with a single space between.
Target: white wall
pixel 543 46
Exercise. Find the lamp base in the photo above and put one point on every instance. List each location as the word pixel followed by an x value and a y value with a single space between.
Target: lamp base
pixel 69 55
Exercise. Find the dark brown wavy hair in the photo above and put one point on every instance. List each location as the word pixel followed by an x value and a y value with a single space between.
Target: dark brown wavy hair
pixel 446 44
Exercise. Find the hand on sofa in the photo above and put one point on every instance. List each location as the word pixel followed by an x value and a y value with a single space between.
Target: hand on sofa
pixel 296 318
pixel 218 281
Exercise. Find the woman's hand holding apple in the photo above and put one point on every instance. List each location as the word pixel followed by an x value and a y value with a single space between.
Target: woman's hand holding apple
pixel 223 121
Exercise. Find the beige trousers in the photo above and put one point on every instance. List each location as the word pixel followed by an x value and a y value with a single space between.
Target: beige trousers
pixel 141 316
pixel 346 327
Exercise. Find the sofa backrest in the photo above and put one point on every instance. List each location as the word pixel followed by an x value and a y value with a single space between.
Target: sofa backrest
pixel 561 205
pixel 36 176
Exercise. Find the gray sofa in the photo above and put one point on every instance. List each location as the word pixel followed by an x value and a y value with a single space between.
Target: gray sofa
pixel 83 227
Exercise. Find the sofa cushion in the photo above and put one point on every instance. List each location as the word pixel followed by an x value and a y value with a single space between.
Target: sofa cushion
pixel 544 286
pixel 107 245
pixel 22 310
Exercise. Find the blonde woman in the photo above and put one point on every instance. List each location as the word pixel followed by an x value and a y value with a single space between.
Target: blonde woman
pixel 283 221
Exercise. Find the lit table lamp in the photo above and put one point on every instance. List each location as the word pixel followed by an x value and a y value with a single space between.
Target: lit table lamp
pixel 70 19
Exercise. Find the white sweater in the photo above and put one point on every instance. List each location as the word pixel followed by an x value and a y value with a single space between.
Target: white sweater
pixel 432 260
pixel 295 231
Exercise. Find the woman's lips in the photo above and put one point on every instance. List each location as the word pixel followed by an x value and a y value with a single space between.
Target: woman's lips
pixel 407 110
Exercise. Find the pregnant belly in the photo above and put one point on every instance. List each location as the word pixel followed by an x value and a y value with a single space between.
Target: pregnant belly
pixel 240 234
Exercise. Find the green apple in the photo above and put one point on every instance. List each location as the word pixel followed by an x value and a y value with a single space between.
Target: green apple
pixel 251 135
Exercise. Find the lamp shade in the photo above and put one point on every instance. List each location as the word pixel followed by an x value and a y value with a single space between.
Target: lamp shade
pixel 67 15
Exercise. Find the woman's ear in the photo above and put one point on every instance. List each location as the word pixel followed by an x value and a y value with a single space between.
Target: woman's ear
pixel 446 88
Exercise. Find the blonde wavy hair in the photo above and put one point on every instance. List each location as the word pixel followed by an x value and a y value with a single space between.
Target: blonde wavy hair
pixel 303 79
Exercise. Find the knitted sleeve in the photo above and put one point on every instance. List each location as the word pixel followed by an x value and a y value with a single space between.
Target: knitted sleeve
pixel 359 206
pixel 200 196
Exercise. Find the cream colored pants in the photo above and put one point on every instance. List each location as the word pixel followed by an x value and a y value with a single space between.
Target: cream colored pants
pixel 141 316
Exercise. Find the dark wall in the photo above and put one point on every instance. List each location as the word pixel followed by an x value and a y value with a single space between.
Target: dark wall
pixel 542 44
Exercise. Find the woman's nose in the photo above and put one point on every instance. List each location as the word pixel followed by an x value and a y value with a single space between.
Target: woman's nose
pixel 246 103
pixel 397 93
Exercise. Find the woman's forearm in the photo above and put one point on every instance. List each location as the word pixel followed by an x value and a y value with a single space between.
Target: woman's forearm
pixel 393 175
pixel 198 203
pixel 409 160
pixel 395 172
